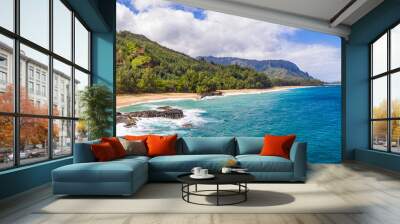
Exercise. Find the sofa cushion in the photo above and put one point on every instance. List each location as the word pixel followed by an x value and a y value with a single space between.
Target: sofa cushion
pixel 131 158
pixel 116 145
pixel 185 163
pixel 112 171
pixel 249 145
pixel 103 152
pixel 161 145
pixel 134 147
pixel 257 163
pixel 207 145
pixel 277 145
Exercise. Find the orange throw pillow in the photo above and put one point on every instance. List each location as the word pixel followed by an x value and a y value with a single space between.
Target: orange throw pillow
pixel 161 145
pixel 103 152
pixel 136 138
pixel 116 145
pixel 277 145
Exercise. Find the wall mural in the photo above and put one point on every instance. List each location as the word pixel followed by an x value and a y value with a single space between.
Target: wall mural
pixel 196 72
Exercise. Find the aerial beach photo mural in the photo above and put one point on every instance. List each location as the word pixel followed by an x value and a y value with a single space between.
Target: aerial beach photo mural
pixel 197 72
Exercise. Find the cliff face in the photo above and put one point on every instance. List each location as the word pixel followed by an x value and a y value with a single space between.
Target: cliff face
pixel 283 70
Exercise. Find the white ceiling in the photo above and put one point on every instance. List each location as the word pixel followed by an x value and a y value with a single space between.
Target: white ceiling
pixel 317 15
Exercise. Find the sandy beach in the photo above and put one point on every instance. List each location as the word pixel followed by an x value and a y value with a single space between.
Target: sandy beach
pixel 124 100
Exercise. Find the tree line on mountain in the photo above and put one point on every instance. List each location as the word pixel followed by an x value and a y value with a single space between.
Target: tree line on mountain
pixel 144 66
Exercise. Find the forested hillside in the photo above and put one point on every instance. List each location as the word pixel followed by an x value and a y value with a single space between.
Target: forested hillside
pixel 144 66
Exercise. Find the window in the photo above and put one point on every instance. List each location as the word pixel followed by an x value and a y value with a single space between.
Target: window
pixel 37 90
pixel 62 74
pixel 3 78
pixel 385 92
pixel 44 91
pixel 43 113
pixel 81 82
pixel 31 72
pixel 3 61
pixel 37 74
pixel 6 142
pixel 6 74
pixel 3 71
pixel 62 137
pixel 7 14
pixel 35 21
pixel 62 29
pixel 30 88
pixel 81 45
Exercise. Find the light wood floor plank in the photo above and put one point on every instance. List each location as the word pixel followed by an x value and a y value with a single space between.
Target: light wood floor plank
pixel 378 191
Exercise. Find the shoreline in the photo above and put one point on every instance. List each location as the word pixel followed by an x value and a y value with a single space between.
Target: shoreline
pixel 125 100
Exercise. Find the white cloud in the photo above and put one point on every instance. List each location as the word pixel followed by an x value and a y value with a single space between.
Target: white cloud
pixel 226 35
pixel 143 5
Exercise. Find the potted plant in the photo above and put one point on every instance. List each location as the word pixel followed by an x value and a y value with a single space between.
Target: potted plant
pixel 96 103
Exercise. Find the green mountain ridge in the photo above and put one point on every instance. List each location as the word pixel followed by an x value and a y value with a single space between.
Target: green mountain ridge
pixel 144 66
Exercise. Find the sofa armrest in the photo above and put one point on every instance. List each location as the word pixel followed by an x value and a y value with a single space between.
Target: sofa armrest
pixel 298 155
pixel 83 152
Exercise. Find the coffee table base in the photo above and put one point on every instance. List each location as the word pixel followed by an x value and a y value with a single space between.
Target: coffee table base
pixel 241 191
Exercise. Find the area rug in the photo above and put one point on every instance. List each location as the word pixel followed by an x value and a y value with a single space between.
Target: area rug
pixel 166 198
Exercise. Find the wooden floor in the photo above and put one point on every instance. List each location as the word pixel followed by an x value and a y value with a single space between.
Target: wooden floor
pixel 379 189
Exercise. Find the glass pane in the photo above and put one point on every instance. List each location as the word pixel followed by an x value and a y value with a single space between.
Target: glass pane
pixel 6 142
pixel 395 94
pixel 379 97
pixel 62 29
pixel 62 138
pixel 33 139
pixel 34 97
pixel 7 14
pixel 81 131
pixel 35 21
pixel 395 47
pixel 62 89
pixel 379 135
pixel 81 82
pixel 395 129
pixel 81 45
pixel 6 75
pixel 379 55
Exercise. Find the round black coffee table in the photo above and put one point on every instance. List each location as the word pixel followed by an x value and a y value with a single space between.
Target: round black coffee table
pixel 238 179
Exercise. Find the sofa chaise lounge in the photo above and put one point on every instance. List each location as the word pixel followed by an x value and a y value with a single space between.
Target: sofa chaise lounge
pixel 125 176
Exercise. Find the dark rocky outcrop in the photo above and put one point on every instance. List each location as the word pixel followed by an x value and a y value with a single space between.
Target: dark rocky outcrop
pixel 130 118
pixel 166 112
pixel 215 93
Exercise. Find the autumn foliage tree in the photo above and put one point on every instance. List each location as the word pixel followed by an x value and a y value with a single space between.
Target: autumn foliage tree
pixel 380 127
pixel 33 131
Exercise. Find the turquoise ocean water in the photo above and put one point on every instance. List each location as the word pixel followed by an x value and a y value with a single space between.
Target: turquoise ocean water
pixel 313 114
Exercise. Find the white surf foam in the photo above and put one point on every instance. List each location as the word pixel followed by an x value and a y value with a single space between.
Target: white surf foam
pixel 193 118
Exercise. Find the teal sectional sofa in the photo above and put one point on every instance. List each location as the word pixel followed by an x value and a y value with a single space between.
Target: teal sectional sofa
pixel 125 176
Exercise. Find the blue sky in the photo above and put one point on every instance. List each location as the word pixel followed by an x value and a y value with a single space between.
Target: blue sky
pixel 199 32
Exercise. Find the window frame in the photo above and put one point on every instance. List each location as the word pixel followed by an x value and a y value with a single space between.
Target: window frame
pixel 16 114
pixel 388 74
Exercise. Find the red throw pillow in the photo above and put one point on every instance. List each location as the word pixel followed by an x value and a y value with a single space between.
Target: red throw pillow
pixel 136 138
pixel 116 145
pixel 161 145
pixel 277 145
pixel 103 152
